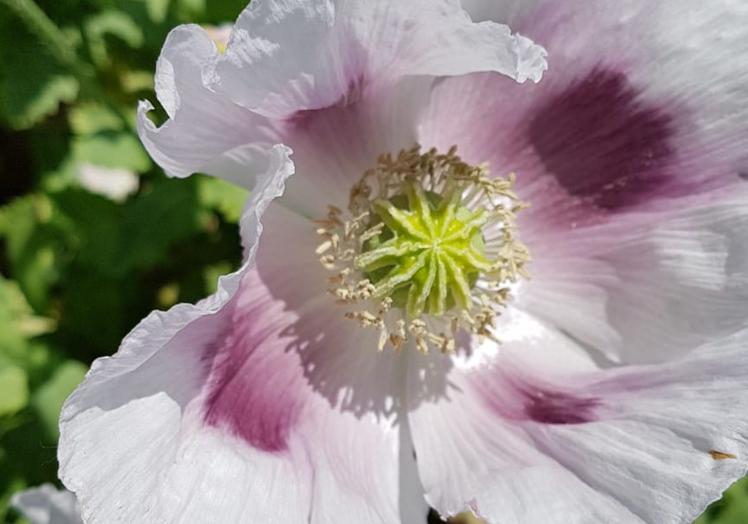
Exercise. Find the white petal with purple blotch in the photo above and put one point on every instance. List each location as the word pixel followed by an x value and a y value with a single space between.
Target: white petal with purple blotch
pixel 259 404
pixel 544 436
pixel 122 396
pixel 521 441
pixel 645 104
pixel 330 75
pixel 217 408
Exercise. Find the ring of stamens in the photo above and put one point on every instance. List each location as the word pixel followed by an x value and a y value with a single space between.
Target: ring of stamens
pixel 426 249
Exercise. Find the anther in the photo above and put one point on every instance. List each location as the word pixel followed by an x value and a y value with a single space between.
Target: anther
pixel 430 236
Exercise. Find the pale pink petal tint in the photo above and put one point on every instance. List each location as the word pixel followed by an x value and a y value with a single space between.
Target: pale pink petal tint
pixel 616 388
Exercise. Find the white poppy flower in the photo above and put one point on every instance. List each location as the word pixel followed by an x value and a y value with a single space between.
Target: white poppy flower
pixel 408 330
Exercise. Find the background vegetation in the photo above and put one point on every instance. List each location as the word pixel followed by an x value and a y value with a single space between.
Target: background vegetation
pixel 81 263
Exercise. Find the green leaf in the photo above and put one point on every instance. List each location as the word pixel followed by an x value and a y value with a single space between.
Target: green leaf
pixel 91 118
pixel 731 509
pixel 111 23
pixel 32 84
pixel 25 106
pixel 112 240
pixel 111 149
pixel 157 10
pixel 12 486
pixel 161 216
pixel 191 9
pixel 228 10
pixel 32 243
pixel 224 197
pixel 95 310
pixel 94 228
pixel 48 399
pixel 100 145
pixel 14 393
pixel 12 307
pixel 212 273
pixel 137 81
pixel 18 350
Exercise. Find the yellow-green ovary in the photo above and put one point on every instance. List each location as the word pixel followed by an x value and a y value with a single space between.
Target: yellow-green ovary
pixel 429 253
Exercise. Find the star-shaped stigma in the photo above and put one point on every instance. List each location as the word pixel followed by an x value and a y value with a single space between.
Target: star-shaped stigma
pixel 428 235
pixel 427 251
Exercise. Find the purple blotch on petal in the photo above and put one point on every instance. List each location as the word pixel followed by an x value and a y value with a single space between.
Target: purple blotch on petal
pixel 602 143
pixel 553 407
pixel 252 389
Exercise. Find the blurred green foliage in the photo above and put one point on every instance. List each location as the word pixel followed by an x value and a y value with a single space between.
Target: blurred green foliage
pixel 79 269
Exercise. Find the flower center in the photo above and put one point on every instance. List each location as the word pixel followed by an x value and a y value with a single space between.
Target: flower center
pixel 430 252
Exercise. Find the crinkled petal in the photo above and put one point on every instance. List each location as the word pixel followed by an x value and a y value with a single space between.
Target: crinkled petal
pixel 650 445
pixel 47 505
pixel 341 82
pixel 672 47
pixel 290 55
pixel 205 131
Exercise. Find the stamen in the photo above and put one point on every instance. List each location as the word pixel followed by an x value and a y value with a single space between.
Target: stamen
pixel 429 249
